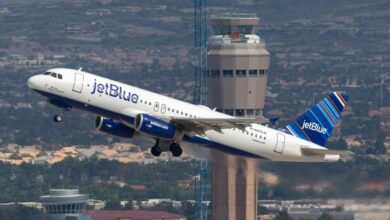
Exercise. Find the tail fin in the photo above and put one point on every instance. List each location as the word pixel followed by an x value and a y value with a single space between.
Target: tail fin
pixel 317 124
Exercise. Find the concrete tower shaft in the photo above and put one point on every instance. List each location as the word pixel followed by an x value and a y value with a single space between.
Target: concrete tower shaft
pixel 238 64
pixel 234 184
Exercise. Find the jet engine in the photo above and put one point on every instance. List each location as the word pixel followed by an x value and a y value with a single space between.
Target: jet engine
pixel 155 127
pixel 114 128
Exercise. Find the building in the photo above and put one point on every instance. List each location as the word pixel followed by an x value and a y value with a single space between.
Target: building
pixel 237 71
pixel 238 64
pixel 63 204
pixel 134 215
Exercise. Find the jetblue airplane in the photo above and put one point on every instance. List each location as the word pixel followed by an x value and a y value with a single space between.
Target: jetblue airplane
pixel 126 111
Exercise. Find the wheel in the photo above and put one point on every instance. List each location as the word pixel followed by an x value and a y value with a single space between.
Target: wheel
pixel 155 151
pixel 176 150
pixel 58 118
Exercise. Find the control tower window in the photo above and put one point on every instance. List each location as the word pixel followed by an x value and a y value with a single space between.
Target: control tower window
pixel 246 29
pixel 222 29
pixel 240 112
pixel 228 73
pixel 252 73
pixel 261 73
pixel 215 73
pixel 241 73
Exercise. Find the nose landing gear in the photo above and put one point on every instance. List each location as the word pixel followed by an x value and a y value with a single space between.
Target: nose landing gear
pixel 60 117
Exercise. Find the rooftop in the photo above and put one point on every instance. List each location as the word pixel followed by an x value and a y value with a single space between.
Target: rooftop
pixel 133 214
pixel 233 15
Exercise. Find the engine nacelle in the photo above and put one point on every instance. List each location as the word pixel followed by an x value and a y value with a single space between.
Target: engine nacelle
pixel 155 127
pixel 114 128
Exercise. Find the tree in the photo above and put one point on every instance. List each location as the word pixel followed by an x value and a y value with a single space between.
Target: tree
pixel 283 215
pixel 379 146
pixel 325 216
pixel 113 205
pixel 263 210
pixel 340 144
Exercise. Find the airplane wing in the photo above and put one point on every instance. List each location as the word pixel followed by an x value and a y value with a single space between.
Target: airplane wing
pixel 200 125
pixel 323 151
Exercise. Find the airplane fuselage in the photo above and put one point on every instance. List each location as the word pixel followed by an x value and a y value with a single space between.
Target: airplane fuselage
pixel 121 102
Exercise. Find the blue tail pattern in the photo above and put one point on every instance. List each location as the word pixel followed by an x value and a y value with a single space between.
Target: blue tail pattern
pixel 317 124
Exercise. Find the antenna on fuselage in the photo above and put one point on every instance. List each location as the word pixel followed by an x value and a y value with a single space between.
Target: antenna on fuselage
pixel 81 68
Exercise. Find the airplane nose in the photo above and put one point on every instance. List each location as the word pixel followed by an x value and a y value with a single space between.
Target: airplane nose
pixel 32 82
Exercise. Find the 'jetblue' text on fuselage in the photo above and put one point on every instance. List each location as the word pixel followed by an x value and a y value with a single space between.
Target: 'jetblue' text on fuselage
pixel 114 91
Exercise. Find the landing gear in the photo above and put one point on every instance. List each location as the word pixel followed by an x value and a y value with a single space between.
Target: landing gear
pixel 175 149
pixel 58 118
pixel 156 150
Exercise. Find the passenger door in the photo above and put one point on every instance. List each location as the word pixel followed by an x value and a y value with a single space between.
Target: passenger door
pixel 78 82
pixel 280 142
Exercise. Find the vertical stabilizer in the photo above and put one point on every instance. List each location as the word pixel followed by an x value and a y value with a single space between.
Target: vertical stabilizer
pixel 317 124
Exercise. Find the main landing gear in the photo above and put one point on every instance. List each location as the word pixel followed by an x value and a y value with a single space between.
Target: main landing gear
pixel 174 147
pixel 156 150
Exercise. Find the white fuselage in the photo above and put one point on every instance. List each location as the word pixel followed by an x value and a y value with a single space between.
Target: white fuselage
pixel 122 102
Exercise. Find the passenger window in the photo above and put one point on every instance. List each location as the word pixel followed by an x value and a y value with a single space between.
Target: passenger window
pixel 59 76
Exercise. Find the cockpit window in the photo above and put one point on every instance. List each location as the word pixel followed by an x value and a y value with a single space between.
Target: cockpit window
pixel 59 76
pixel 47 73
pixel 53 75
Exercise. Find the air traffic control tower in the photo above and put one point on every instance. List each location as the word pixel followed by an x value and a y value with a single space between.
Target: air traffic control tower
pixel 237 67
pixel 238 64
pixel 63 204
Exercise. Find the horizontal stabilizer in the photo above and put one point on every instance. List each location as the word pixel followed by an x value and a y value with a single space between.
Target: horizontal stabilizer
pixel 323 151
